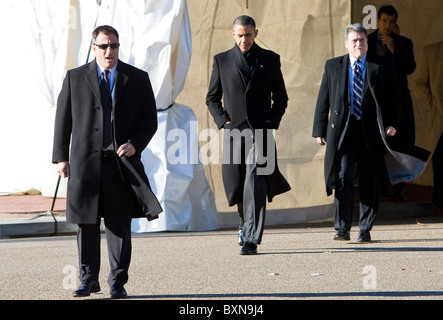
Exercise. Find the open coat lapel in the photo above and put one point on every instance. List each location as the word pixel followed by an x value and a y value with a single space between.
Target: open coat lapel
pixel 121 79
pixel 371 75
pixel 91 75
pixel 342 76
pixel 258 70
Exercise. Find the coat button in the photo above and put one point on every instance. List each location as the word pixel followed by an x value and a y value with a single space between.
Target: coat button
pixel 333 126
pixel 97 108
pixel 93 151
pixel 94 129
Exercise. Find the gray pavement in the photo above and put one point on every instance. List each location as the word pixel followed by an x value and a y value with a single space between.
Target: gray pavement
pixel 299 262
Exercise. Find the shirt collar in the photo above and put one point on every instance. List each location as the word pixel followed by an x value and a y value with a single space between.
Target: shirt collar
pixel 352 61
pixel 112 71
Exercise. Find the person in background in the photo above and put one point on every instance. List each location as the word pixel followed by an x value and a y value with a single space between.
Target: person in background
pixel 386 42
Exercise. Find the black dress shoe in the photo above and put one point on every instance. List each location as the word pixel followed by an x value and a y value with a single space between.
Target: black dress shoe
pixel 248 249
pixel 364 236
pixel 86 288
pixel 343 235
pixel 118 292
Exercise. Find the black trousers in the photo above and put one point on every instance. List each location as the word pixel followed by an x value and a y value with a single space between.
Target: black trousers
pixel 116 206
pixel 354 158
pixel 244 186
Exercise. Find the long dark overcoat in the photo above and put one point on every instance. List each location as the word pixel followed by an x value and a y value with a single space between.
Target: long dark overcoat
pixel 78 137
pixel 263 98
pixel 381 92
pixel 404 61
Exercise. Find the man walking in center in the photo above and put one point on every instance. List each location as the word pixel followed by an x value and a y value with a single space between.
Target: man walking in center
pixel 249 81
pixel 106 115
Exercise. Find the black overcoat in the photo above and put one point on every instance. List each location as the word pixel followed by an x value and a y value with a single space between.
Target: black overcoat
pixel 382 101
pixel 78 137
pixel 263 98
pixel 404 61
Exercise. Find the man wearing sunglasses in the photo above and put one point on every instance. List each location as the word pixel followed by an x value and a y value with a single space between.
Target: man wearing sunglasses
pixel 106 115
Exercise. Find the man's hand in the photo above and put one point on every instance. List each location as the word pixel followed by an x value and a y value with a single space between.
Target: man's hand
pixel 126 150
pixel 64 169
pixel 390 131
pixel 389 42
pixel 321 141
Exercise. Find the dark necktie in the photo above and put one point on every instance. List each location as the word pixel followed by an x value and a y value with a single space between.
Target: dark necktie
pixel 358 90
pixel 106 99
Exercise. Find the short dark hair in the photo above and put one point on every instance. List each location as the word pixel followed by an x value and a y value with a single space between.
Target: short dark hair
pixel 104 29
pixel 244 21
pixel 389 10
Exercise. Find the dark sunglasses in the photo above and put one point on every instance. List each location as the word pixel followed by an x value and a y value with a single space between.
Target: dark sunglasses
pixel 105 46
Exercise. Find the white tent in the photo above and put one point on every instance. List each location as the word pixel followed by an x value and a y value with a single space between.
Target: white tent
pixel 155 36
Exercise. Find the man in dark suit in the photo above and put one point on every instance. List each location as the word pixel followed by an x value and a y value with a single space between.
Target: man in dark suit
pixel 106 115
pixel 249 80
pixel 385 42
pixel 352 131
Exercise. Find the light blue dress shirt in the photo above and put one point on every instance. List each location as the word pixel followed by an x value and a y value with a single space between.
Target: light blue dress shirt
pixel 111 77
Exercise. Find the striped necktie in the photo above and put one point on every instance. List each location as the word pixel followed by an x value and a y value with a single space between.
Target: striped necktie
pixel 358 90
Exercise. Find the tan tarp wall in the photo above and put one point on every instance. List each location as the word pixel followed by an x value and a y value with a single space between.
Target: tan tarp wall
pixel 422 22
pixel 305 34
